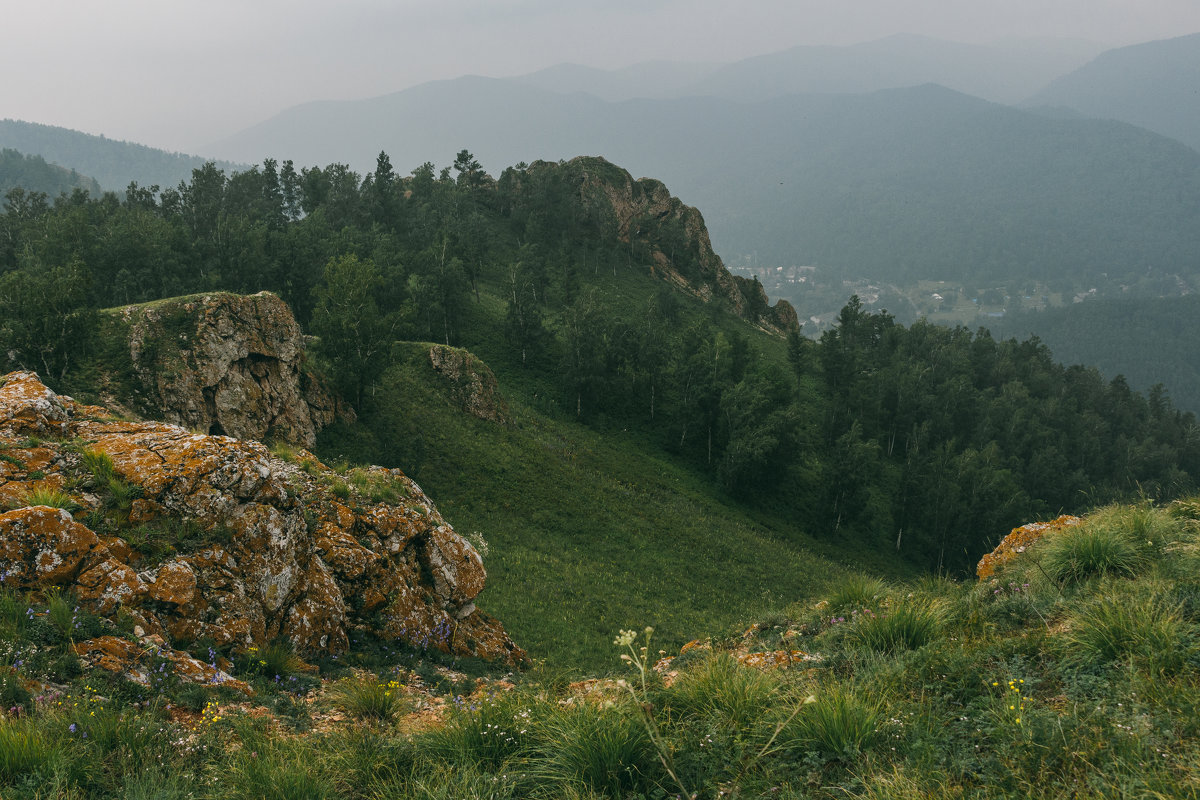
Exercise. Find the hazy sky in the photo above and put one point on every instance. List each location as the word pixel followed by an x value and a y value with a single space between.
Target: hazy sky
pixel 178 74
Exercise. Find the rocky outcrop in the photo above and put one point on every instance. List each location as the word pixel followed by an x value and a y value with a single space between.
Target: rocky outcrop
pixel 471 383
pixel 1018 540
pixel 659 229
pixel 222 364
pixel 190 536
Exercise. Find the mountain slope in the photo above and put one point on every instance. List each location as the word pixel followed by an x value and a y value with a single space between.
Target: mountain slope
pixel 1155 85
pixel 1003 73
pixel 112 163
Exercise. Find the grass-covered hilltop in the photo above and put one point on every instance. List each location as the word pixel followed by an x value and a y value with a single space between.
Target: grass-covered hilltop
pixel 229 407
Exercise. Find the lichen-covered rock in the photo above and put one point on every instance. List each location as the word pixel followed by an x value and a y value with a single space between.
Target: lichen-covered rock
pixel 1018 540
pixel 472 384
pixel 225 364
pixel 134 661
pixel 259 547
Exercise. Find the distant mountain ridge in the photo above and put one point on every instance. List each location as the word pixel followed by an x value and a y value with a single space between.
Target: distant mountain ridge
pixel 898 183
pixel 1003 72
pixel 114 164
pixel 1155 85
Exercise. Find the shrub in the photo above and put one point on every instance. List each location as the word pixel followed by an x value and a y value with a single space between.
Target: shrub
pixel 904 627
pixel 1098 547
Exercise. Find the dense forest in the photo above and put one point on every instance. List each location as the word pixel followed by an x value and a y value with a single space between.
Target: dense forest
pixel 1142 338
pixel 924 440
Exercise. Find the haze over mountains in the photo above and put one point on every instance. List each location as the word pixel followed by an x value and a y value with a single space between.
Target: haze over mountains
pixel 1155 85
pixel 818 162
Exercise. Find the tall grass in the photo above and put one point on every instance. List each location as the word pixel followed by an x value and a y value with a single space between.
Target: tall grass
pixel 720 687
pixel 906 626
pixel 606 750
pixel 840 724
pixel 1146 629
pixel 1091 550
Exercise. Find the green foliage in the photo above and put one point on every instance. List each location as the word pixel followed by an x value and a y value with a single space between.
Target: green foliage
pixel 1093 549
pixel 721 690
pixel 840 724
pixel 856 591
pixel 490 731
pixel 370 698
pixel 904 626
pixel 46 322
pixel 54 498
pixel 23 750
pixel 354 334
pixel 1147 629
pixel 606 750
pixel 31 173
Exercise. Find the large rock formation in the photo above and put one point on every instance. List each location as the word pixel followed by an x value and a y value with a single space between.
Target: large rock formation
pixel 673 236
pixel 190 536
pixel 471 384
pixel 220 363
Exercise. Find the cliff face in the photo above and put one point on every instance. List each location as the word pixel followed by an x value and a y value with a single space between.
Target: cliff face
pixel 188 535
pixel 223 364
pixel 644 212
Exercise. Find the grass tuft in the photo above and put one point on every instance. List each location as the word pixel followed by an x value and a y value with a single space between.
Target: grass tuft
pixel 904 627
pixel 840 724
pixel 370 698
pixel 1101 547
pixel 857 592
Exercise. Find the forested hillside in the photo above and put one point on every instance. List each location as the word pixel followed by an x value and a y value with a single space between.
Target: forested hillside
pixel 33 174
pixel 1149 340
pixel 597 302
pixel 113 164
pixel 1152 85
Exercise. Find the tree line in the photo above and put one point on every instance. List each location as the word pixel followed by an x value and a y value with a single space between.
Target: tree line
pixel 924 440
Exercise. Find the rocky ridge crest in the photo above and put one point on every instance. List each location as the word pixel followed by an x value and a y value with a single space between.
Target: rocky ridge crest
pixel 188 536
pixel 680 248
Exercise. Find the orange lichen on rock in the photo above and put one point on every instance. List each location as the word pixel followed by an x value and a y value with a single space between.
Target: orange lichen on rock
pixel 1018 540
pixel 271 550
pixel 133 660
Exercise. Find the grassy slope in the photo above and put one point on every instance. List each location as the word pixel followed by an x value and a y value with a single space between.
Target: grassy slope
pixel 590 530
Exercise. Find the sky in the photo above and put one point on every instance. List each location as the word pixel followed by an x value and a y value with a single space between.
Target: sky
pixel 179 74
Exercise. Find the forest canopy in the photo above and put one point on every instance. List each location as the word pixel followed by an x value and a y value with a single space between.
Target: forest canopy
pixel 922 440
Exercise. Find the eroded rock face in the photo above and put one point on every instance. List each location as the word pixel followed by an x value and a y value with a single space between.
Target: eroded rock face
pixel 225 364
pixel 260 547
